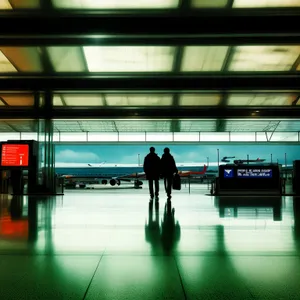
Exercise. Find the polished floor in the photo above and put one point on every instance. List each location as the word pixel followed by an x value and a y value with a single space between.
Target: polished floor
pixel 110 244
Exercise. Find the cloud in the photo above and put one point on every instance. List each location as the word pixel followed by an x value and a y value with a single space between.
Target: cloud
pixel 76 157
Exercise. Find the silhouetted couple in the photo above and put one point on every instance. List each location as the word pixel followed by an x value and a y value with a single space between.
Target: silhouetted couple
pixel 156 167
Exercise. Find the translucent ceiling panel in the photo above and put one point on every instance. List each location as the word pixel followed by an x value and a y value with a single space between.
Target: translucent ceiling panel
pixel 115 4
pixel 84 125
pixel 18 100
pixel 5 64
pixel 67 59
pixel 261 100
pixel 203 58
pixel 138 100
pixel 98 126
pixel 266 3
pixel 23 125
pixel 83 100
pixel 129 59
pixel 264 58
pixel 57 101
pixel 199 100
pixel 288 126
pixel 25 59
pixel 4 4
pixel 4 127
pixel 249 125
pixel 209 3
pixel 142 126
pixel 198 125
pixel 19 4
pixel 67 126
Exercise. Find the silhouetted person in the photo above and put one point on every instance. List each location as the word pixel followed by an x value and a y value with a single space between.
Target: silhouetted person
pixel 152 171
pixel 168 168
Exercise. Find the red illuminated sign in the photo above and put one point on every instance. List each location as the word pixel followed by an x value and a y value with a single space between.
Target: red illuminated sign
pixel 14 155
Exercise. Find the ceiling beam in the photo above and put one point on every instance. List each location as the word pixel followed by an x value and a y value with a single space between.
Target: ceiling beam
pixel 210 112
pixel 63 100
pixel 3 101
pixel 45 60
pixel 210 24
pixel 162 82
pixel 295 102
pixel 183 40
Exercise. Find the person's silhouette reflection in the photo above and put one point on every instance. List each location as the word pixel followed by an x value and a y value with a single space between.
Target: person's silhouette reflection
pixel 152 230
pixel 165 236
pixel 170 229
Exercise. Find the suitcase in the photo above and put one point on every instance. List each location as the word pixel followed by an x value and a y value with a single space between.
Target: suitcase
pixel 176 182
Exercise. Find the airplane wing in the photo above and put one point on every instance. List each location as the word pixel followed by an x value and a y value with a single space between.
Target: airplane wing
pixel 140 175
pixel 189 173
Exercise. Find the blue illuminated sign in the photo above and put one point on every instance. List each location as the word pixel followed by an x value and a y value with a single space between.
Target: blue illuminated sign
pixel 255 173
pixel 228 173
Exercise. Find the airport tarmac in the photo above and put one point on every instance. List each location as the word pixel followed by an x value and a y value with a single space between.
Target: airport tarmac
pixel 143 188
pixel 94 244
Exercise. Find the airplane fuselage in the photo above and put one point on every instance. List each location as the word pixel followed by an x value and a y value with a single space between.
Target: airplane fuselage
pixel 110 172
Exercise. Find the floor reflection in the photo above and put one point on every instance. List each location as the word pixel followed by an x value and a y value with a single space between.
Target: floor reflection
pixel 232 225
pixel 255 206
pixel 164 233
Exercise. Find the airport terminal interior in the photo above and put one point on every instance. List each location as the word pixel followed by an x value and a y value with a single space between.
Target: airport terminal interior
pixel 87 87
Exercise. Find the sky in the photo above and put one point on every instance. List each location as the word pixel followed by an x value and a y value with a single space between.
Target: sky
pixel 183 153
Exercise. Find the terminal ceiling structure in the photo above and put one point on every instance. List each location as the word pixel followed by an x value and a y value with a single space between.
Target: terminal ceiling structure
pixel 166 66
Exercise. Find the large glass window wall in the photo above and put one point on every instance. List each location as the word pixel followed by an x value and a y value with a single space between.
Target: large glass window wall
pixel 144 131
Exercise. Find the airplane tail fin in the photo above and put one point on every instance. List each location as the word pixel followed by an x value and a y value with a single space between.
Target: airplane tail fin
pixel 204 169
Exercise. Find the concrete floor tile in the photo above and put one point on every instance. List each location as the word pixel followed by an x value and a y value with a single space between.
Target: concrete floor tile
pixel 211 277
pixel 136 278
pixel 43 277
pixel 275 277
